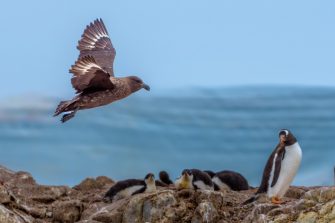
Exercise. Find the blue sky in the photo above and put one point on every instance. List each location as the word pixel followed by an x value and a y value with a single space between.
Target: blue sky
pixel 171 44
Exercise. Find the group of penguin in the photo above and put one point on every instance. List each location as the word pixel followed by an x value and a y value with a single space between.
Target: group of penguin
pixel 189 179
pixel 278 174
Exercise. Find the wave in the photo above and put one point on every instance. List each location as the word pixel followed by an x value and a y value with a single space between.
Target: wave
pixel 231 128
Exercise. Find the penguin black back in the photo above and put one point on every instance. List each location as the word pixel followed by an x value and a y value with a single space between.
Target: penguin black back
pixel 199 175
pixel 210 173
pixel 233 179
pixel 165 178
pixel 121 185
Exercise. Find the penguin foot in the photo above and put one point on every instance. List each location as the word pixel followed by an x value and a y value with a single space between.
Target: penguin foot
pixel 276 200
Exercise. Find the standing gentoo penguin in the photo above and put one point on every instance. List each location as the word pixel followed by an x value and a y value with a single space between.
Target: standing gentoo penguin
pixel 127 188
pixel 280 168
pixel 93 75
pixel 194 179
pixel 228 179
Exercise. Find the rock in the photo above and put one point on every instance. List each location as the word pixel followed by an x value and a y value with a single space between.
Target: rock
pixel 23 178
pixel 8 216
pixel 295 192
pixel 45 194
pixel 133 210
pixel 23 200
pixel 110 213
pixel 309 217
pixel 4 195
pixel 6 174
pixel 205 212
pixel 92 184
pixel 67 211
pixel 322 194
pixel 89 221
pixel 327 212
pixel 103 181
pixel 157 207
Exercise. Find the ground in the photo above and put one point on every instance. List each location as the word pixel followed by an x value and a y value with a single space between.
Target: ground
pixel 22 200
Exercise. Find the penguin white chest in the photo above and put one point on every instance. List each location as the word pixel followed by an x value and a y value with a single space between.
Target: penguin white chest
pixel 150 188
pixel 202 186
pixel 127 192
pixel 220 184
pixel 288 170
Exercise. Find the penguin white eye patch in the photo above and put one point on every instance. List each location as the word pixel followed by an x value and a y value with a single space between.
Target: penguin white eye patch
pixel 284 130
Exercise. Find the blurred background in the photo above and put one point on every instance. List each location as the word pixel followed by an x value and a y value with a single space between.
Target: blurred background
pixel 226 76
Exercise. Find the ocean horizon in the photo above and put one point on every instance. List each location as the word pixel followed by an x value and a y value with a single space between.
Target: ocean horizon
pixel 233 128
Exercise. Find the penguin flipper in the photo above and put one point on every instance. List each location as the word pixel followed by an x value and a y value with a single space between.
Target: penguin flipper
pixel 120 186
pixel 139 191
pixel 109 195
pixel 263 188
pixel 280 157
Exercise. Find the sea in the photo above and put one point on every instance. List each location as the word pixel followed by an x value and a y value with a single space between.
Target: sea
pixel 231 128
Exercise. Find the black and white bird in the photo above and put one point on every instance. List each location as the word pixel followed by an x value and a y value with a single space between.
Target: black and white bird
pixel 194 179
pixel 280 168
pixel 228 180
pixel 127 188
pixel 93 74
pixel 165 178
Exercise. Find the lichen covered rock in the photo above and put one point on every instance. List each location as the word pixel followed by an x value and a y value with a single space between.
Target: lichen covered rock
pixel 23 200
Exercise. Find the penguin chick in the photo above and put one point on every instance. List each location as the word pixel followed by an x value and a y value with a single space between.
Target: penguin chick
pixel 185 180
pixel 194 179
pixel 127 188
pixel 280 168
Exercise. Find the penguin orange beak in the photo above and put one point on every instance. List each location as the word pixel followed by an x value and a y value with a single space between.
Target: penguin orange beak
pixel 146 87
